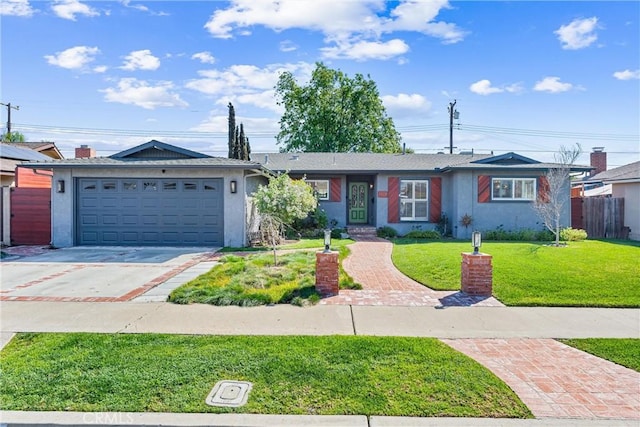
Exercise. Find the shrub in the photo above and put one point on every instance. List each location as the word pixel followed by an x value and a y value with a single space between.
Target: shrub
pixel 336 233
pixel 572 234
pixel 423 234
pixel 522 235
pixel 386 232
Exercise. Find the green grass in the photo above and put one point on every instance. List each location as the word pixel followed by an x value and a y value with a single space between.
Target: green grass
pixel 254 280
pixel 589 273
pixel 625 352
pixel 290 375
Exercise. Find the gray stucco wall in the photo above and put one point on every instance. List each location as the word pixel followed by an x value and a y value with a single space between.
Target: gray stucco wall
pixel 510 215
pixel 63 204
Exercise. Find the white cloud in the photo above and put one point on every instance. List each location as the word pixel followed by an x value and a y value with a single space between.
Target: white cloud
pixel 514 88
pixel 16 8
pixel 204 57
pixel 483 87
pixel 627 75
pixel 142 8
pixel 100 69
pixel 552 85
pixel 68 9
pixel 140 93
pixel 363 50
pixel 288 46
pixel 141 60
pixel 578 34
pixel 352 26
pixel 248 84
pixel 412 101
pixel 73 58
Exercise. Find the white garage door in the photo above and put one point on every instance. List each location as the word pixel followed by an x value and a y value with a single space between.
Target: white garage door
pixel 150 212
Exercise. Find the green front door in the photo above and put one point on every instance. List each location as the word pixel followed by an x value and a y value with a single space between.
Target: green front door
pixel 358 202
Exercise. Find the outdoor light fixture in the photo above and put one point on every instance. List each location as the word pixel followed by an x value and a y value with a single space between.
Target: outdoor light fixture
pixel 233 186
pixel 60 186
pixel 327 241
pixel 476 239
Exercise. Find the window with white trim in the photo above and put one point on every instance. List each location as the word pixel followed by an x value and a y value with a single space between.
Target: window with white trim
pixel 513 189
pixel 320 188
pixel 414 197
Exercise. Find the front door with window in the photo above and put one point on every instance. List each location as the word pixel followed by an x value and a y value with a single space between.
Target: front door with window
pixel 358 202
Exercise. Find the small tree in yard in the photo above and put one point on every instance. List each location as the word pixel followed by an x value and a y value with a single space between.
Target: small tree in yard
pixel 280 203
pixel 553 196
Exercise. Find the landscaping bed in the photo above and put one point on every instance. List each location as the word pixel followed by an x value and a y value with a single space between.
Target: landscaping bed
pixel 255 279
pixel 325 375
pixel 591 273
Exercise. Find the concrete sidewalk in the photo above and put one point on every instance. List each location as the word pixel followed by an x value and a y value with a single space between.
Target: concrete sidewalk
pixel 473 324
pixel 451 322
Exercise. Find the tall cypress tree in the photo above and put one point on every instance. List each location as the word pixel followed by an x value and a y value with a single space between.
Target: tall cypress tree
pixel 232 129
pixel 242 144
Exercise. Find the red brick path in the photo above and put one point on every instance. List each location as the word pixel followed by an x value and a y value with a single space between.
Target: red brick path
pixel 555 380
pixel 370 265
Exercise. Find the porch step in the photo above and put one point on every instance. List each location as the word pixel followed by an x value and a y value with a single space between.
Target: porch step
pixel 361 231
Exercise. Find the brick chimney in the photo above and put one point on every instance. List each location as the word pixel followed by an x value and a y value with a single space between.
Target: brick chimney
pixel 598 160
pixel 85 152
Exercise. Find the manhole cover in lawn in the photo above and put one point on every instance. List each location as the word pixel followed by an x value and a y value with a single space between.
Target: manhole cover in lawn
pixel 229 393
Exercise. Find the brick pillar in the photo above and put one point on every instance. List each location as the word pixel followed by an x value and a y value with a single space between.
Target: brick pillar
pixel 477 274
pixel 327 273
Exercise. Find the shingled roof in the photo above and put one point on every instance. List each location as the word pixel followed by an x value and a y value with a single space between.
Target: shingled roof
pixel 630 172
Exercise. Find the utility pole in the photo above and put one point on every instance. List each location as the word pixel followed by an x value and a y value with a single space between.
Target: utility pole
pixel 453 113
pixel 9 107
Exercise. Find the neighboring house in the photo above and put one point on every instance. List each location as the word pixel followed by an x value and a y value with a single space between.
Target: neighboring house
pixel 414 191
pixel 625 183
pixel 49 149
pixel 25 213
pixel 159 194
pixel 154 194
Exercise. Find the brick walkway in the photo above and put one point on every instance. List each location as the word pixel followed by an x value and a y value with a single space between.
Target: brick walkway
pixel 382 284
pixel 555 380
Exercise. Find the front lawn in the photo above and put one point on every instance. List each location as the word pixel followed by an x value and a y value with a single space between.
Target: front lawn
pixel 589 273
pixel 291 375
pixel 625 351
pixel 254 280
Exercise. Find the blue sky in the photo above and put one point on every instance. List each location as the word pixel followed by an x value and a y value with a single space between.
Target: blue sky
pixel 527 76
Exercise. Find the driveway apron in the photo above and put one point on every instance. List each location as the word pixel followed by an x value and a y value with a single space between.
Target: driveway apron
pixel 93 274
pixel 555 380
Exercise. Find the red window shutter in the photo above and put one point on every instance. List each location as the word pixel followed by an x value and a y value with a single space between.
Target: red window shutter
pixel 393 200
pixel 543 189
pixel 484 189
pixel 435 200
pixel 334 190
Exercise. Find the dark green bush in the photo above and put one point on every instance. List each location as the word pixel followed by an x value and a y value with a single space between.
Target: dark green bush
pixel 386 232
pixel 423 234
pixel 522 235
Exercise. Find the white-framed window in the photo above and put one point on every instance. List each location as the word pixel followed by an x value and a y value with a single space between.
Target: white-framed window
pixel 320 188
pixel 414 197
pixel 513 189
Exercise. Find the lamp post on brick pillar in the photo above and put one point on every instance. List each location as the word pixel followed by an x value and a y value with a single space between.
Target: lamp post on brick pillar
pixel 477 272
pixel 327 269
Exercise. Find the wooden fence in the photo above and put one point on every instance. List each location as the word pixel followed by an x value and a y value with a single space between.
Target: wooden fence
pixel 602 217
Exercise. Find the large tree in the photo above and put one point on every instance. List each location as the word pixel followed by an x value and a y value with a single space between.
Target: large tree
pixel 239 147
pixel 555 194
pixel 334 113
pixel 12 137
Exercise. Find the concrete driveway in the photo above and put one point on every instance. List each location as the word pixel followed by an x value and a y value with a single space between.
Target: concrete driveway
pixel 101 274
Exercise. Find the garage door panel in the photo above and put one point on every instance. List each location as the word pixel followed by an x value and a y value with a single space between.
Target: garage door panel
pixel 153 211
